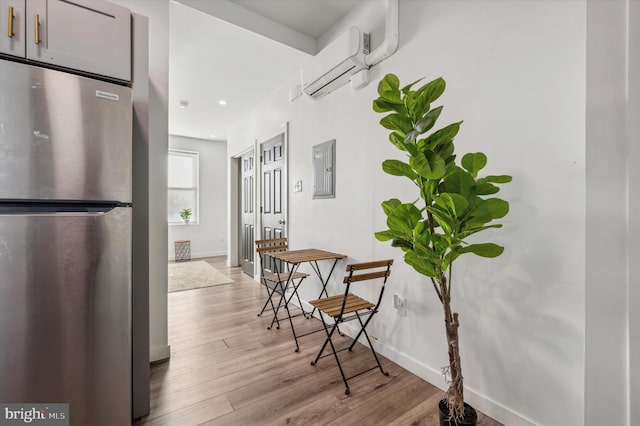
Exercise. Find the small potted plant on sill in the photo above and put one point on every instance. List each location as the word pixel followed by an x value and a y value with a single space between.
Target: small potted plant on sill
pixel 185 214
pixel 452 203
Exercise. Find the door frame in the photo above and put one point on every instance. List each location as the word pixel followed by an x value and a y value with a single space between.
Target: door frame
pixel 235 211
pixel 235 206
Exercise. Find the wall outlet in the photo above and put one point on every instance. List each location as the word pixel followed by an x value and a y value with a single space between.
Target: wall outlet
pixel 400 304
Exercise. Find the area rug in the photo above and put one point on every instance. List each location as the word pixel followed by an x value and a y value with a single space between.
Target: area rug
pixel 194 274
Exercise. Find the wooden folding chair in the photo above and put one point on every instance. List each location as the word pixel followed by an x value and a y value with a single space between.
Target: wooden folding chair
pixel 348 307
pixel 277 280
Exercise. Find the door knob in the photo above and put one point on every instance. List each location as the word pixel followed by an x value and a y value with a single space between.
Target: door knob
pixel 281 222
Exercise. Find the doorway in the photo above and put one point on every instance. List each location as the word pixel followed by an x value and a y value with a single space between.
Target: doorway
pixel 262 196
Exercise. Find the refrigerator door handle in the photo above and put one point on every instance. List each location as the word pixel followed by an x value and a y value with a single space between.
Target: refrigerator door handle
pixel 60 210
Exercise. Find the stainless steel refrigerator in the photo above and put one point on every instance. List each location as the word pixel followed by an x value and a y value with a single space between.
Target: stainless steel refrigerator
pixel 65 243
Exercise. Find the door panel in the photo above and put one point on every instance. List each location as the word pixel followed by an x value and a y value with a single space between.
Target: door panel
pixel 63 136
pixel 12 30
pixel 87 35
pixel 247 240
pixel 65 313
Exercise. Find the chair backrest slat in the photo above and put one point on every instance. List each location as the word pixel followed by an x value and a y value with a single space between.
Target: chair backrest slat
pixel 274 244
pixel 271 241
pixel 367 276
pixel 272 248
pixel 369 265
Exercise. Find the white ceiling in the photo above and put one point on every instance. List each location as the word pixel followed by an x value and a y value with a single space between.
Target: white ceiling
pixel 211 59
pixel 310 17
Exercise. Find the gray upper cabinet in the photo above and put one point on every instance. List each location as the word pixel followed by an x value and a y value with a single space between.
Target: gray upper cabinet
pixel 86 35
pixel 12 23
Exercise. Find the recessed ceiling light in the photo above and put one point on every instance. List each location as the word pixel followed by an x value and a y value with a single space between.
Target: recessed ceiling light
pixel 213 136
pixel 222 102
pixel 183 104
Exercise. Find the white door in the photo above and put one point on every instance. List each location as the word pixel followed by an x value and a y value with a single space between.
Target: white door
pixel 273 188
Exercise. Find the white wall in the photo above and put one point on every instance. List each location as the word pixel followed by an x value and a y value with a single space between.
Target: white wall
pixel 516 75
pixel 209 236
pixel 158 13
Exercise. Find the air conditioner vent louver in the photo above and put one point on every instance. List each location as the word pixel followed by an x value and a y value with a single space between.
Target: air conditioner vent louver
pixel 335 64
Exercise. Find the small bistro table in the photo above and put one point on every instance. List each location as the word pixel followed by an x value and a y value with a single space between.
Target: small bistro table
pixel 312 256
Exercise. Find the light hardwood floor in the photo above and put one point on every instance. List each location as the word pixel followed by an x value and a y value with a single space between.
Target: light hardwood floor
pixel 227 369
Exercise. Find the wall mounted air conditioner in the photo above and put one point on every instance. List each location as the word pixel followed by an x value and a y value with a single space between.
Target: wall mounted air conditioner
pixel 336 63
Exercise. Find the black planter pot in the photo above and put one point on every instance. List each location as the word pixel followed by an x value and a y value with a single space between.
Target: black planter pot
pixel 470 415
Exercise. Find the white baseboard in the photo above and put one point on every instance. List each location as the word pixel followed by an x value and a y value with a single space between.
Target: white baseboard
pixel 159 353
pixel 480 402
pixel 201 255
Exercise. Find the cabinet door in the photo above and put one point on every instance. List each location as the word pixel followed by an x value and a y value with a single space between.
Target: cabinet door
pixel 12 27
pixel 87 35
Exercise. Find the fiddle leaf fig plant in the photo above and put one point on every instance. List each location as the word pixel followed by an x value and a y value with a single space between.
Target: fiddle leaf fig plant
pixel 453 202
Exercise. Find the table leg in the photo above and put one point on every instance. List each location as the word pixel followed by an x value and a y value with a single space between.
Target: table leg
pixel 316 269
pixel 283 297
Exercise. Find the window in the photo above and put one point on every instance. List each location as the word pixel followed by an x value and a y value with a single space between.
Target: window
pixel 183 185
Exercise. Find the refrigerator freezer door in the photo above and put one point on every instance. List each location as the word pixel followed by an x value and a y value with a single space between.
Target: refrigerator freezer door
pixel 65 313
pixel 62 136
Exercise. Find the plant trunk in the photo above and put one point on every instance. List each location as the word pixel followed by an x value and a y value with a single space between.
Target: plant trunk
pixel 454 396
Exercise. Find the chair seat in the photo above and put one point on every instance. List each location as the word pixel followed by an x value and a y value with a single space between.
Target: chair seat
pixel 284 276
pixel 333 305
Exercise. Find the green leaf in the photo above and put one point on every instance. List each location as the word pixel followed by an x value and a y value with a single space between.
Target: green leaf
pixel 428 121
pixel 441 243
pixel 389 82
pixel 410 137
pixel 398 168
pixel 464 233
pixel 428 165
pixel 485 188
pixel 392 96
pixel 397 122
pixel 403 243
pixel 432 90
pixel 455 203
pixel 474 162
pixel 380 105
pixel 384 235
pixel 484 250
pixel 497 207
pixel 403 219
pixel 398 141
pixel 410 101
pixel 460 182
pixel 408 87
pixel 390 206
pixel 444 135
pixel 383 105
pixel 419 105
pixel 445 151
pixel 497 179
pixel 443 218
pixel 485 211
pixel 421 265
